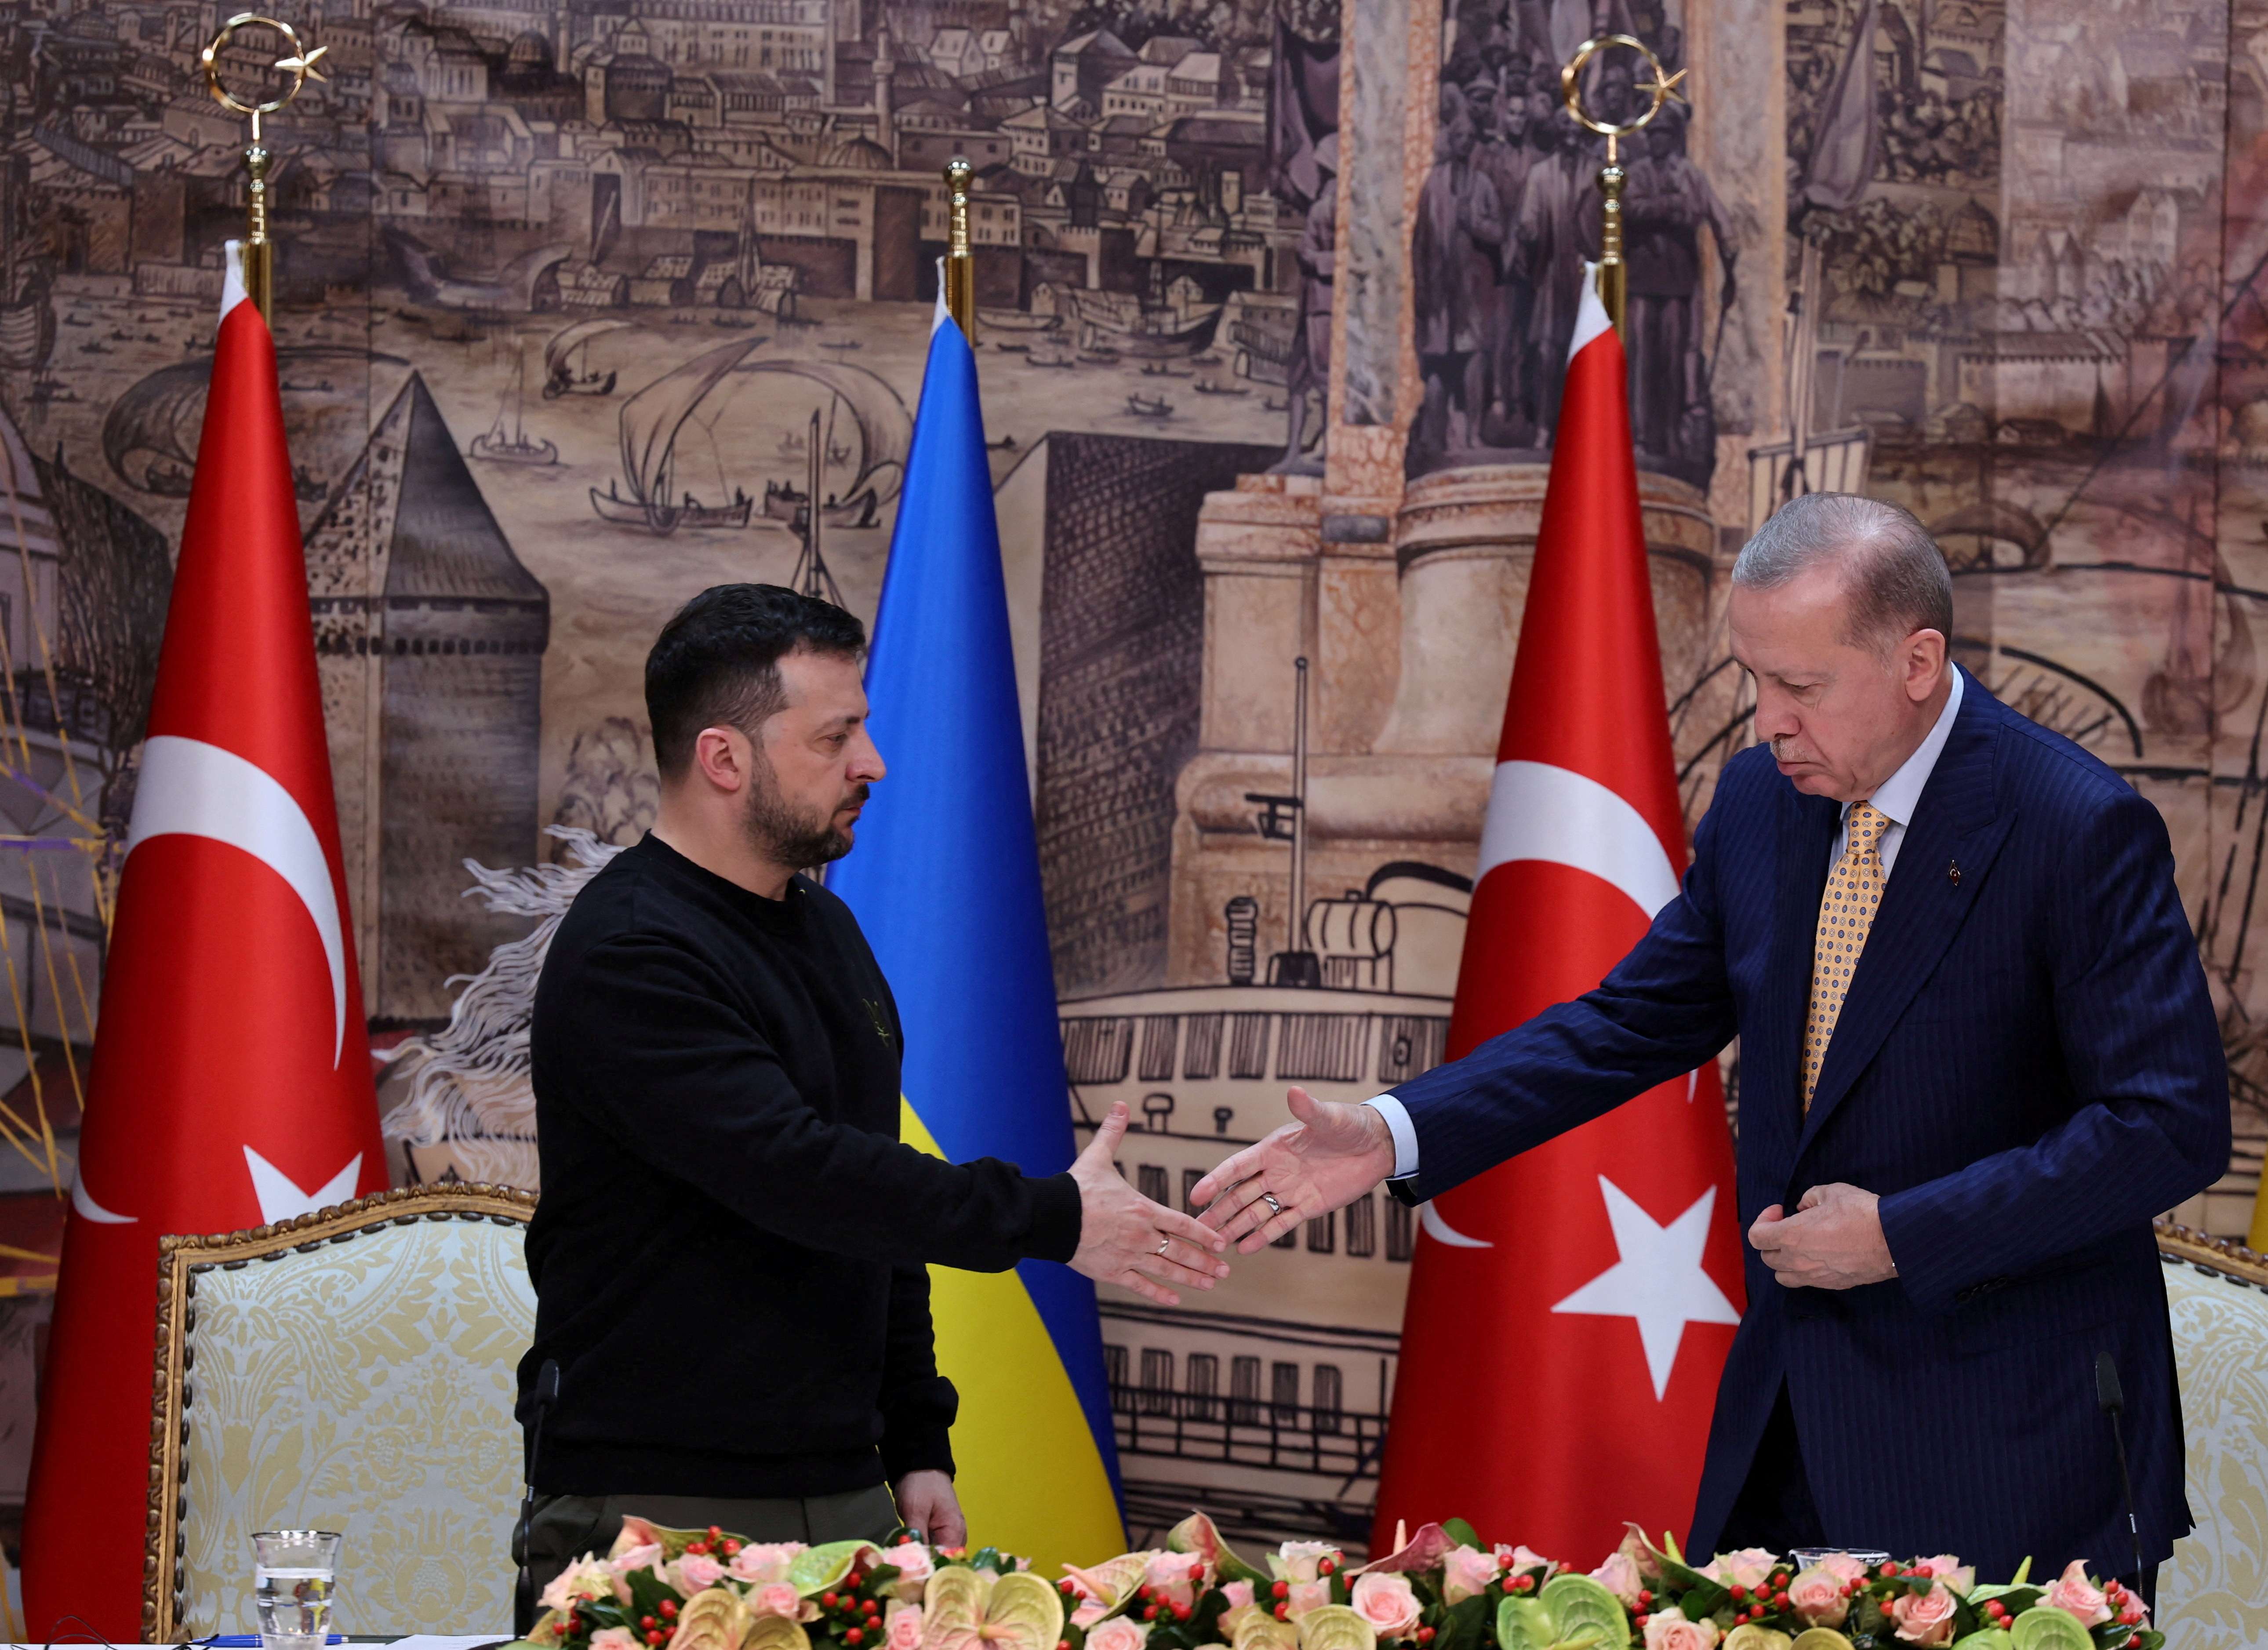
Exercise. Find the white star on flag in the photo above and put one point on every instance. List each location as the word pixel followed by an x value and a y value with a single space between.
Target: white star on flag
pixel 280 1197
pixel 1657 1280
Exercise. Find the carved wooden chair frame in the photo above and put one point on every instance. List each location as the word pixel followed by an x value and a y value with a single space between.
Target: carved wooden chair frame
pixel 2222 1257
pixel 180 1260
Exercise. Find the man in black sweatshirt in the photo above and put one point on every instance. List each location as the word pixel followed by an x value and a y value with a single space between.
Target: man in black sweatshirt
pixel 729 1255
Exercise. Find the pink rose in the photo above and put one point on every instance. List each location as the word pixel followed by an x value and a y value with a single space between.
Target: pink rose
pixel 1239 1594
pixel 1296 1560
pixel 1174 1576
pixel 1669 1630
pixel 1236 1607
pixel 695 1571
pixel 1386 1603
pixel 1307 1595
pixel 587 1578
pixel 1923 1618
pixel 1816 1596
pixel 1120 1632
pixel 1949 1570
pixel 2072 1591
pixel 912 1560
pixel 1089 1613
pixel 1843 1568
pixel 1749 1567
pixel 1520 1558
pixel 1620 1577
pixel 635 1532
pixel 614 1638
pixel 763 1560
pixel 915 1566
pixel 1466 1572
pixel 776 1598
pixel 903 1630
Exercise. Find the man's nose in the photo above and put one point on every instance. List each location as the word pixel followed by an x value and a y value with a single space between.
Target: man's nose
pixel 1776 719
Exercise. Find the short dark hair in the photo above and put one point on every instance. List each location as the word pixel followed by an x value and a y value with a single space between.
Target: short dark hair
pixel 716 663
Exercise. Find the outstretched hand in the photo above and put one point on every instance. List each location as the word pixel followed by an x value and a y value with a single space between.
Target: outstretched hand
pixel 1125 1239
pixel 1329 1156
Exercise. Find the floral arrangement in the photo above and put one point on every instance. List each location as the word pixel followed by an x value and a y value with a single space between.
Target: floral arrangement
pixel 670 1589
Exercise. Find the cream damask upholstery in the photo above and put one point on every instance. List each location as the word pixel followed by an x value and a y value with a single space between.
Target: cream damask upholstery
pixel 352 1370
pixel 2214 1593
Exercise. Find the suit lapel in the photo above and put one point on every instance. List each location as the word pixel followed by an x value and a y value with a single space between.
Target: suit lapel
pixel 1923 906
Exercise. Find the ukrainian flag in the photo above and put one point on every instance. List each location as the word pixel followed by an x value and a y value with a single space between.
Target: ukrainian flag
pixel 946 883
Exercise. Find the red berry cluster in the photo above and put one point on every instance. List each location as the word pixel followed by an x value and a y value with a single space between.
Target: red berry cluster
pixel 656 1629
pixel 1997 1615
pixel 717 1541
pixel 1770 1599
pixel 852 1618
pixel 1154 1606
pixel 1520 1584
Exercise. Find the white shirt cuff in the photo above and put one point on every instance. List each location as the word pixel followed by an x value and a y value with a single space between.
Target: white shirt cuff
pixel 1405 1133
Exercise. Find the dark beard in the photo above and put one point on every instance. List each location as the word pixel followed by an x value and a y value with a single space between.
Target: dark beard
pixel 786 837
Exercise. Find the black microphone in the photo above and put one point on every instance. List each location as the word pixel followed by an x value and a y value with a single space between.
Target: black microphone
pixel 523 1599
pixel 2112 1398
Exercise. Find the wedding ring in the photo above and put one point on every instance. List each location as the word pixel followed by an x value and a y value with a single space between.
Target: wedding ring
pixel 1268 1197
pixel 1164 1244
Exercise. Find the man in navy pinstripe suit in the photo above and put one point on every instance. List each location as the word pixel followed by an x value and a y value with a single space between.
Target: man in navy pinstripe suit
pixel 1978 1055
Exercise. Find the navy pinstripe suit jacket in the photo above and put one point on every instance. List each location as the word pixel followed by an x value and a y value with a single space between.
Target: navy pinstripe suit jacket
pixel 2026 1069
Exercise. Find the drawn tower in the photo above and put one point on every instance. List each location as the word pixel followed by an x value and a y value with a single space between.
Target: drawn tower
pixel 430 637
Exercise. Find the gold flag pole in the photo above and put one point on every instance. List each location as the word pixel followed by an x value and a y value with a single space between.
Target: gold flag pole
pixel 1613 273
pixel 302 66
pixel 959 265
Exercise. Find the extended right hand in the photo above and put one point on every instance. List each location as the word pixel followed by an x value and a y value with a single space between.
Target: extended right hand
pixel 1328 1158
pixel 1125 1239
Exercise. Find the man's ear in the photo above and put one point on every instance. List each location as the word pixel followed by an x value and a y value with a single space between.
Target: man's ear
pixel 723 756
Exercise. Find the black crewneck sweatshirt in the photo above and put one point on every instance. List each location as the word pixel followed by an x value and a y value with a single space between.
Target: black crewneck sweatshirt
pixel 729 1253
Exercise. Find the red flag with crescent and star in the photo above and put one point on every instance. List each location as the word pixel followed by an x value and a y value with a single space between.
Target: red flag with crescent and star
pixel 232 1083
pixel 1586 1290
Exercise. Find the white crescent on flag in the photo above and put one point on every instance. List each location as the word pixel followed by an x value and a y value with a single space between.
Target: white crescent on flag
pixel 188 788
pixel 1537 811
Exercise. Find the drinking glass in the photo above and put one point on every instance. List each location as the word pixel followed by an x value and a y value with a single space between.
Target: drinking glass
pixel 1808 1558
pixel 295 1574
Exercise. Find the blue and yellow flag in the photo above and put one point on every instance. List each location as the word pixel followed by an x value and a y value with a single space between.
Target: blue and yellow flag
pixel 946 883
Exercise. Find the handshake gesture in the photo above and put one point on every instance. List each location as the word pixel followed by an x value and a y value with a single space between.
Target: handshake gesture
pixel 1329 1156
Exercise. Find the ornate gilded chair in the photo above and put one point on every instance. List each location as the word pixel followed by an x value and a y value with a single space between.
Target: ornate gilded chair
pixel 2214 1593
pixel 350 1370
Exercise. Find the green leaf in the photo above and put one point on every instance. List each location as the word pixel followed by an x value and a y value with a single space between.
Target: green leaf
pixel 1459 1531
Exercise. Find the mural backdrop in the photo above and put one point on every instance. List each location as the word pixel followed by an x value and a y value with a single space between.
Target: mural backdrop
pixel 586 305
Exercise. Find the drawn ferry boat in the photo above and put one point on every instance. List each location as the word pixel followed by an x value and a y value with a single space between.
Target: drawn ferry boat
pixel 1265 1401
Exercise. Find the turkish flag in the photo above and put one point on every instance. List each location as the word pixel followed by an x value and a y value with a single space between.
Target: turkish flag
pixel 231 1082
pixel 1570 1310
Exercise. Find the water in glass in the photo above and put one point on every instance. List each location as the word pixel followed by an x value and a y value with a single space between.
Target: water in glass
pixel 294 1576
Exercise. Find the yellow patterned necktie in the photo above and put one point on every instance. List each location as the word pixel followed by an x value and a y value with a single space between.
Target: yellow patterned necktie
pixel 1847 911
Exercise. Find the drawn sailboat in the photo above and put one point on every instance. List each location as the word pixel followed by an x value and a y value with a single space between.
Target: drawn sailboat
pixel 650 420
pixel 515 448
pixel 886 432
pixel 563 374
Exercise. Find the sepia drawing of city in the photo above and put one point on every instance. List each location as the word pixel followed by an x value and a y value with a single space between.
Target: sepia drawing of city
pixel 584 306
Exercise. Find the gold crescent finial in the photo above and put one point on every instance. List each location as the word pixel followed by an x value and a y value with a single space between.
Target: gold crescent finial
pixel 1663 88
pixel 302 65
pixel 1613 276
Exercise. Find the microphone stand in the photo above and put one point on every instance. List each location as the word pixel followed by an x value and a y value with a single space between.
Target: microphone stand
pixel 2112 1399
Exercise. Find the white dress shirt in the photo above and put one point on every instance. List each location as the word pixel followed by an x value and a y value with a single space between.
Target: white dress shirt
pixel 1895 798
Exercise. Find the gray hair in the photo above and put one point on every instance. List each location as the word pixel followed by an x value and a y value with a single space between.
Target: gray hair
pixel 1894 575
